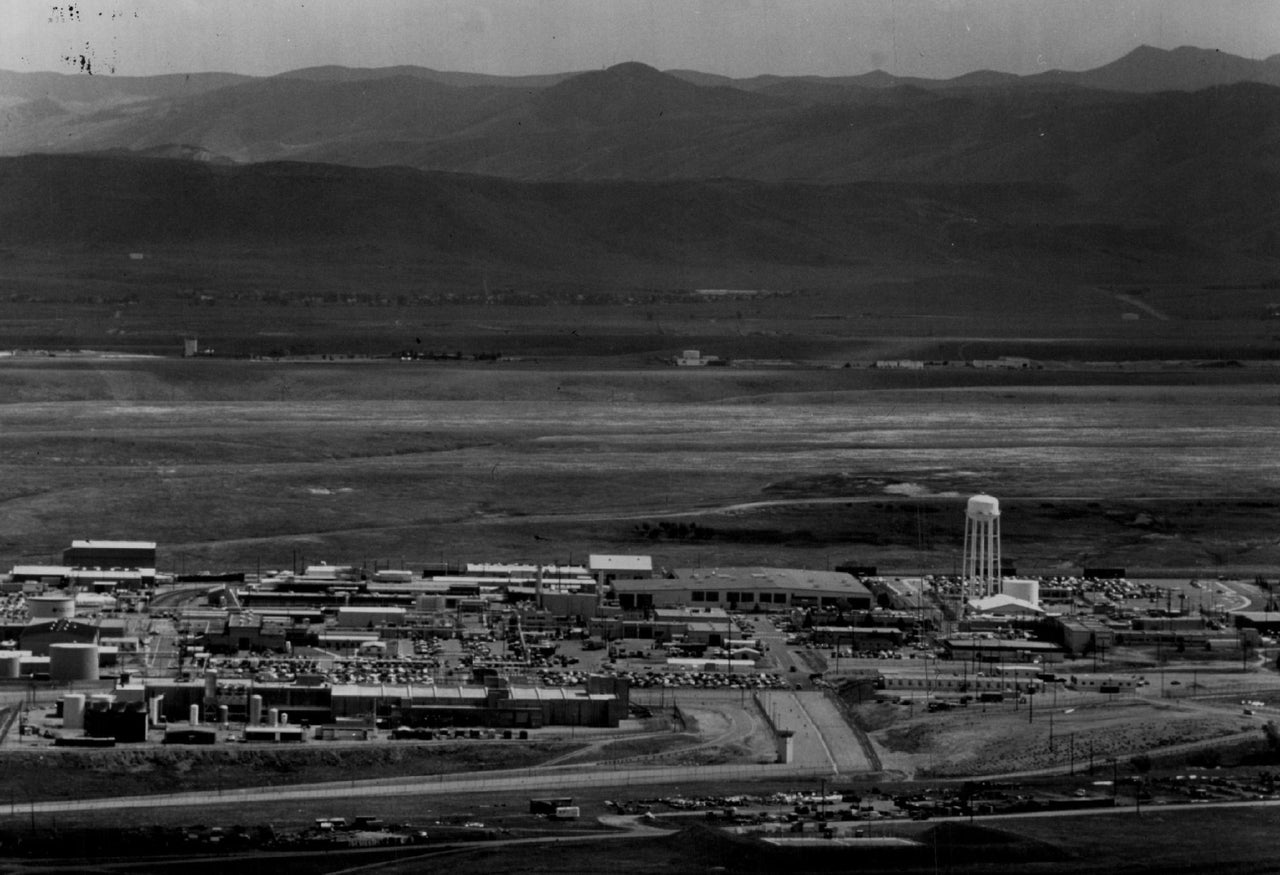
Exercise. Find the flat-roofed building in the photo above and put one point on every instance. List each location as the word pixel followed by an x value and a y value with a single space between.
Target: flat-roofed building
pixel 746 589
pixel 361 617
pixel 610 568
pixel 1001 649
pixel 86 578
pixel 110 554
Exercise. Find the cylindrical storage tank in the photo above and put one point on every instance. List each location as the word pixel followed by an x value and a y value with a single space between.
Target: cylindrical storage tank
pixel 1026 590
pixel 193 715
pixel 10 664
pixel 51 607
pixel 154 709
pixel 255 710
pixel 223 717
pixel 73 711
pixel 284 718
pixel 73 662
pixel 273 717
pixel 982 507
pixel 210 685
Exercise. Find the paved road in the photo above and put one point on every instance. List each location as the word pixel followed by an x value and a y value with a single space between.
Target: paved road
pixel 512 781
pixel 822 737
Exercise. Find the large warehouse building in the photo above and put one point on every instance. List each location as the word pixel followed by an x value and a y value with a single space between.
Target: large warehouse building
pixel 745 589
pixel 110 554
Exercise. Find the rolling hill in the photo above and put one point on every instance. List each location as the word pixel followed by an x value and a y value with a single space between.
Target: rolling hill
pixel 127 202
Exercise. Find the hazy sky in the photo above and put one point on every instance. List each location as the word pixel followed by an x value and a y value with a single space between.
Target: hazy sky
pixel 934 38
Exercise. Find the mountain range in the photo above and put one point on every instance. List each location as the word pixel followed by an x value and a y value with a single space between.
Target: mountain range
pixel 1169 152
pixel 634 122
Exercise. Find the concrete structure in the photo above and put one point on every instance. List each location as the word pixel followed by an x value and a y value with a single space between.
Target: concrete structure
pixel 73 711
pixel 745 589
pixel 981 547
pixel 784 739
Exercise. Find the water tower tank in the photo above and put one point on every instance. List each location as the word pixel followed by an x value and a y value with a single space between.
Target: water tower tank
pixel 981 547
pixel 73 662
pixel 51 607
pixel 983 507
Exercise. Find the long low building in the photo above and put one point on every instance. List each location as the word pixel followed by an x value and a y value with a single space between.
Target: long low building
pixel 59 576
pixel 603 703
pixel 746 589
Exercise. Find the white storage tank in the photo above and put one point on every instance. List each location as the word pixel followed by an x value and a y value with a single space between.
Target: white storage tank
pixel 10 664
pixel 1026 590
pixel 51 607
pixel 73 711
pixel 73 662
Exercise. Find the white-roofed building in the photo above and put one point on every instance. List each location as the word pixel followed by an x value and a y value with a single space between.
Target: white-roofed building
pixel 745 589
pixel 1003 606
pixel 610 567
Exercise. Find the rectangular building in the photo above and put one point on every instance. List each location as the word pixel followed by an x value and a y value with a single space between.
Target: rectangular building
pixel 746 589
pixel 110 554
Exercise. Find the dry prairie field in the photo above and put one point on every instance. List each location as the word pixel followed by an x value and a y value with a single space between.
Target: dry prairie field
pixel 263 464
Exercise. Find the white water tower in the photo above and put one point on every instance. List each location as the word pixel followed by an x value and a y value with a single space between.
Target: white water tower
pixel 981 547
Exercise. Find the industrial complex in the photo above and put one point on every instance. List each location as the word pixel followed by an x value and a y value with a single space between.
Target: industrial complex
pixel 344 652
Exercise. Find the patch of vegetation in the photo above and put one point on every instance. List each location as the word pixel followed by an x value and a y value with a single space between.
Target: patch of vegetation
pixel 123 772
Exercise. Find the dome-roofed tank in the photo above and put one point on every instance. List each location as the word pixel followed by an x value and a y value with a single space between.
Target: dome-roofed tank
pixel 51 607
pixel 982 507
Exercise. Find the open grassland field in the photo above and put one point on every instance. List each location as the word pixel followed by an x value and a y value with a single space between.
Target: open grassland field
pixel 243 464
pixel 345 299
pixel 61 774
pixel 996 740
